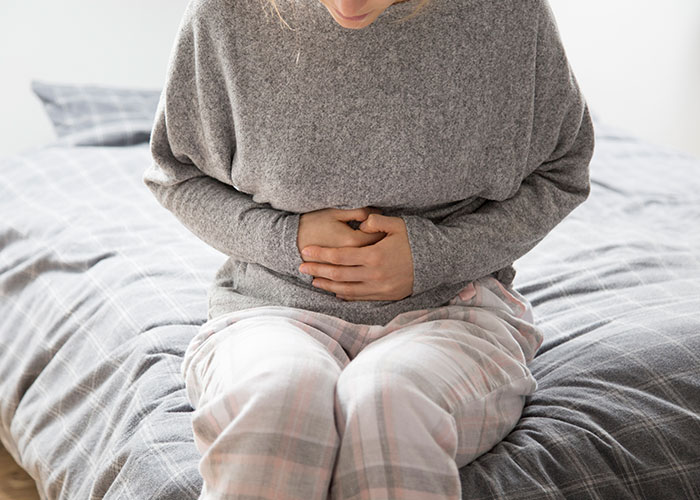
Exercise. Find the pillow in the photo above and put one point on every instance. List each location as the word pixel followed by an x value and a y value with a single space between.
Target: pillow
pixel 93 115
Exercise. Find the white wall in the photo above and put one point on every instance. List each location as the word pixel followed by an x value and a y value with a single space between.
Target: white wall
pixel 638 61
pixel 111 42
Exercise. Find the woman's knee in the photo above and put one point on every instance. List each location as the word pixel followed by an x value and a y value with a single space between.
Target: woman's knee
pixel 267 361
pixel 387 383
pixel 413 374
pixel 404 369
pixel 287 376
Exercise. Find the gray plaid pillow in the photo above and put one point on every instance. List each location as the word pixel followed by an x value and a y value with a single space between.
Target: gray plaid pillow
pixel 93 115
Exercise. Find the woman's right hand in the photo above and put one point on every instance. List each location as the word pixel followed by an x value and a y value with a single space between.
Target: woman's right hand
pixel 328 228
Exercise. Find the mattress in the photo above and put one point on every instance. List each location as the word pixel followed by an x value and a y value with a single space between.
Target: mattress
pixel 102 289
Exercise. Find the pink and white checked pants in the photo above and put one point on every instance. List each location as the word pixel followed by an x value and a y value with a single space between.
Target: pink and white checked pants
pixel 295 404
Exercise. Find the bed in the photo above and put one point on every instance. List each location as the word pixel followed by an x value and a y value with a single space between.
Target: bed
pixel 102 289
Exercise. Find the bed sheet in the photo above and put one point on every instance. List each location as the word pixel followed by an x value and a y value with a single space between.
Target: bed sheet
pixel 102 289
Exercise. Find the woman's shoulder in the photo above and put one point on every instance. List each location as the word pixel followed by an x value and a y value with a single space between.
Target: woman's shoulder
pixel 219 11
pixel 220 15
pixel 209 7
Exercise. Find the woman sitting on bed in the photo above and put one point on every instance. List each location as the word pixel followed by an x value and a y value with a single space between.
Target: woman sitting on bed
pixel 372 170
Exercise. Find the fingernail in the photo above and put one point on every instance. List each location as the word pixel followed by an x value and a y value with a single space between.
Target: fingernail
pixel 305 252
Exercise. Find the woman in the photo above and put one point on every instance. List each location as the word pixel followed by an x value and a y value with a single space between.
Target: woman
pixel 415 152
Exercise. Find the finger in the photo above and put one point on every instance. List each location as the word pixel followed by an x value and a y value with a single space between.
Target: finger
pixel 381 223
pixel 354 214
pixel 344 256
pixel 370 238
pixel 335 273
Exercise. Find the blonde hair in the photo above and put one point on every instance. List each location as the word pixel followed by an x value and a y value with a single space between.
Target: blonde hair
pixel 421 5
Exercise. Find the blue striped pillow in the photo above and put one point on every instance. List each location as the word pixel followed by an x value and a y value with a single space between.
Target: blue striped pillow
pixel 94 115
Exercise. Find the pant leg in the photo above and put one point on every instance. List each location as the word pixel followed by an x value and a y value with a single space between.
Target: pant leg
pixel 430 396
pixel 263 392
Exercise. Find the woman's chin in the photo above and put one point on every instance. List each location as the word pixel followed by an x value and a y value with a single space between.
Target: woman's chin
pixel 353 23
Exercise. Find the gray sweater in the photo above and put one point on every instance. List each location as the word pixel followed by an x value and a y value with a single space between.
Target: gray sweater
pixel 465 121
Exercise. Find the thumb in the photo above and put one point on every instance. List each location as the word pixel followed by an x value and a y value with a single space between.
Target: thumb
pixel 377 223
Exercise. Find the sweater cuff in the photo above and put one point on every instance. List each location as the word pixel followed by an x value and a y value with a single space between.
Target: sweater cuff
pixel 290 256
pixel 428 263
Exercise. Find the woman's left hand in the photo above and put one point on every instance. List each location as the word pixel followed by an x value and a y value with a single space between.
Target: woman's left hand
pixel 381 271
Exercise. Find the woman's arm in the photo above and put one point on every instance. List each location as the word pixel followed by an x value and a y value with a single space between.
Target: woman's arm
pixel 499 232
pixel 192 147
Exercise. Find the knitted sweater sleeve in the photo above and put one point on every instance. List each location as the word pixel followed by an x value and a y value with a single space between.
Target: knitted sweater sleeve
pixel 192 146
pixel 554 182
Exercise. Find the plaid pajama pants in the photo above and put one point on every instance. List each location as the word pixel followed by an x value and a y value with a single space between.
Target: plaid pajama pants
pixel 295 404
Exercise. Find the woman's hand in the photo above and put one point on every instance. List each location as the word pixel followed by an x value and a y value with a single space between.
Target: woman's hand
pixel 380 271
pixel 328 228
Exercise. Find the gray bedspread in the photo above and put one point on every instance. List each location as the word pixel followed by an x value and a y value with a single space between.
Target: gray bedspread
pixel 102 288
